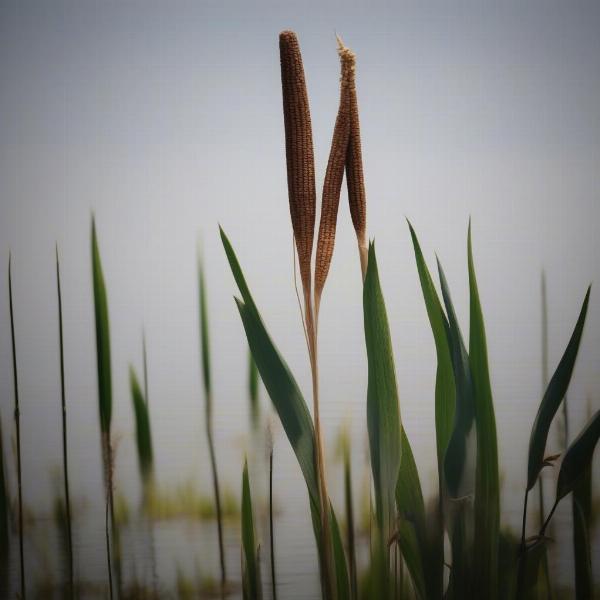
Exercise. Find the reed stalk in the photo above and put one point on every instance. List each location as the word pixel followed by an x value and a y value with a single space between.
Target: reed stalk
pixel 206 377
pixel 350 540
pixel 64 432
pixel 18 430
pixel 545 566
pixel 271 528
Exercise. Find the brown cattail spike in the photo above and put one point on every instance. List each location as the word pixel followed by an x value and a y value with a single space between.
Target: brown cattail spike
pixel 355 180
pixel 334 174
pixel 299 151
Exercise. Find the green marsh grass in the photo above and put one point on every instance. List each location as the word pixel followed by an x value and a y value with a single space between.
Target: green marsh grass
pixel 103 363
pixel 65 453
pixel 143 438
pixel 143 433
pixel 251 578
pixel 208 415
pixel 18 430
pixel 271 519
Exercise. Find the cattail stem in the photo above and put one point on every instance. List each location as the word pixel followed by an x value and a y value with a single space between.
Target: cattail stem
pixel 64 433
pixel 524 523
pixel 350 522
pixel 108 511
pixel 271 530
pixel 217 493
pixel 18 430
pixel 320 454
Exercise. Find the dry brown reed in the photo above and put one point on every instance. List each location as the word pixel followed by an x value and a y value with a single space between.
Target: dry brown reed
pixel 299 151
pixel 355 181
pixel 334 175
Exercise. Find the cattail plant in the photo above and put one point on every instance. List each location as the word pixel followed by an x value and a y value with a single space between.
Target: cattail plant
pixel 143 434
pixel 18 429
pixel 271 520
pixel 143 437
pixel 71 587
pixel 103 362
pixel 302 200
pixel 208 416
pixel 251 578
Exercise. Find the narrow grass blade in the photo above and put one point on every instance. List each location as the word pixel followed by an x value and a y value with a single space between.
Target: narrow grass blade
pixel 206 377
pixel 383 415
pixel 529 568
pixel 445 394
pixel 103 362
pixel 584 583
pixel 18 428
pixel 407 539
pixel 143 434
pixel 252 585
pixel 102 336
pixel 204 338
pixel 411 535
pixel 339 559
pixel 277 379
pixel 553 396
pixel 581 508
pixel 271 528
pixel 253 379
pixel 456 452
pixel 578 457
pixel 69 536
pixel 351 540
pixel 487 486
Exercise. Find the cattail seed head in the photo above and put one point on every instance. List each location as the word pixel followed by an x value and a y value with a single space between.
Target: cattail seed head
pixel 335 173
pixel 299 151
pixel 355 180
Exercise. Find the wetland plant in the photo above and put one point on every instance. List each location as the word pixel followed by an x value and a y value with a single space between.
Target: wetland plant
pixel 251 579
pixel 18 430
pixel 67 499
pixel 467 507
pixel 208 415
pixel 103 363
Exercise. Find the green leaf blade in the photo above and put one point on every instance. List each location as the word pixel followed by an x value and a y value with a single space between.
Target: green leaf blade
pixel 553 396
pixel 487 485
pixel 277 379
pixel 444 381
pixel 383 413
pixel 578 457
pixel 204 336
pixel 339 559
pixel 251 571
pixel 456 452
pixel 102 337
pixel 143 434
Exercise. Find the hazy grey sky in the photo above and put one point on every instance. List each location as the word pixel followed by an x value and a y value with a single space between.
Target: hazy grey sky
pixel 165 119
